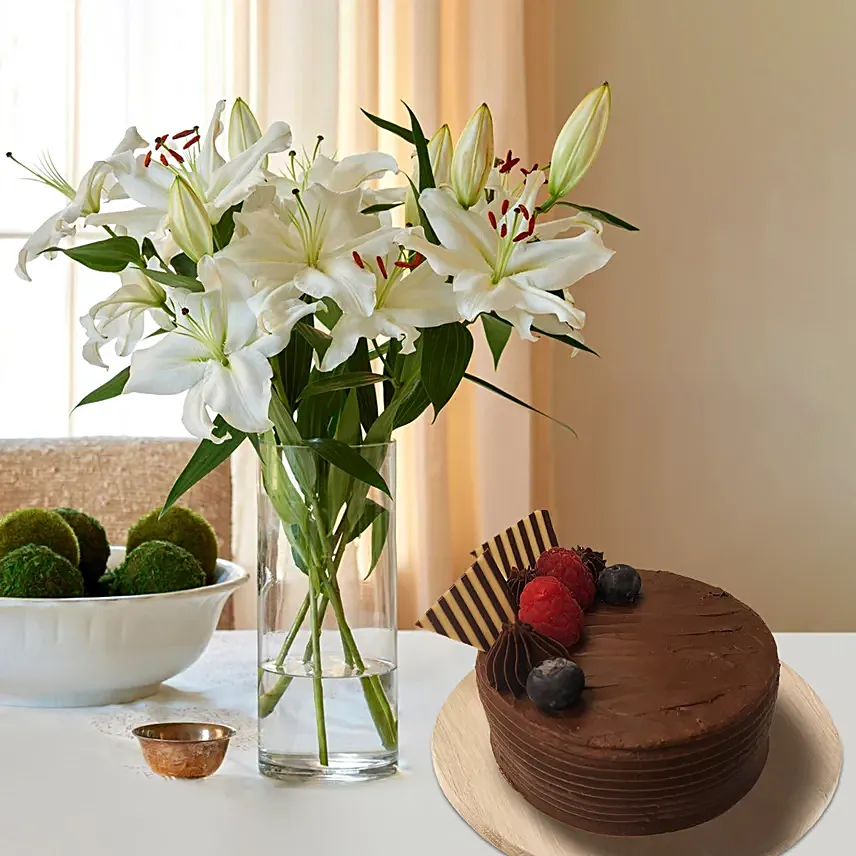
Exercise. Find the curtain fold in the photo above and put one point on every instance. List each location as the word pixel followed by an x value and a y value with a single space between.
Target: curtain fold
pixel 484 463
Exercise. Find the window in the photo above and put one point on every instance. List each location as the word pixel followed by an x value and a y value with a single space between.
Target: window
pixel 76 74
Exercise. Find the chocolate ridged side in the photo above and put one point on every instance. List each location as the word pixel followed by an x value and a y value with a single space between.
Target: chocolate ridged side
pixel 673 726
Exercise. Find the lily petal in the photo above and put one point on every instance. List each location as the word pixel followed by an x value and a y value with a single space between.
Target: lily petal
pixel 352 287
pixel 476 293
pixel 352 171
pixel 195 416
pixel 147 185
pixel 233 180
pixel 47 235
pixel 240 392
pixel 465 232
pixel 170 366
pixel 209 158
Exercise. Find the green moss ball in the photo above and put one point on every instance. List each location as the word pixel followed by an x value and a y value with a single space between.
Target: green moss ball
pixel 180 526
pixel 36 571
pixel 38 526
pixel 94 546
pixel 155 567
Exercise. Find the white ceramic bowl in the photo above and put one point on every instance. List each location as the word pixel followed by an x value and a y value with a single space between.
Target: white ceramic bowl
pixel 80 652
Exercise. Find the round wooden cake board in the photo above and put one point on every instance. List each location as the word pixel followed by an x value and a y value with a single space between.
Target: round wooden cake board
pixel 795 788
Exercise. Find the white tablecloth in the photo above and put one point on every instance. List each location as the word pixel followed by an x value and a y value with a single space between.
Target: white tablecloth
pixel 73 783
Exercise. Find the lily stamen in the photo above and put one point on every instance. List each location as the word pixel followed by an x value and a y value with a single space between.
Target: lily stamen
pixel 417 260
pixel 192 141
pixel 148 159
pixel 492 217
pixel 381 266
pixel 504 209
pixel 358 260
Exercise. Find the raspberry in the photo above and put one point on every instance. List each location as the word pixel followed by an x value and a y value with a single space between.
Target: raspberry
pixel 567 566
pixel 548 606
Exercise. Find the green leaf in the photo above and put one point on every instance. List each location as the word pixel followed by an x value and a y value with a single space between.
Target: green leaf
pixel 295 364
pixel 166 277
pixel 289 435
pixel 348 459
pixel 348 380
pixel 106 391
pixel 430 234
pixel 392 352
pixel 497 333
pixel 446 352
pixel 339 483
pixel 224 228
pixel 509 397
pixel 366 396
pixel 207 457
pixel 318 339
pixel 602 215
pixel 184 265
pixel 380 530
pixel 568 340
pixel 412 406
pixel 398 130
pixel 329 314
pixel 148 249
pixel 426 173
pixel 110 255
pixel 380 206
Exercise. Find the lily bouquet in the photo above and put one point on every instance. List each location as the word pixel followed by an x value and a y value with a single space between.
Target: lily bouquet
pixel 283 295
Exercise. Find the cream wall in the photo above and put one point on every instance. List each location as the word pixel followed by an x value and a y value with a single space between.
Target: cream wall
pixel 717 433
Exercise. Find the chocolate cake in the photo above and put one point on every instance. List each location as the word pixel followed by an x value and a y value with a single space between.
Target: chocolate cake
pixel 672 726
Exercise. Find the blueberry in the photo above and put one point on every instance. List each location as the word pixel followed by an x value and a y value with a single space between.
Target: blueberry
pixel 619 584
pixel 555 685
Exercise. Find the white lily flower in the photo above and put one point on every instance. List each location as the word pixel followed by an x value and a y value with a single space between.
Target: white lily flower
pixel 496 268
pixel 472 160
pixel 217 353
pixel 83 201
pixel 311 243
pixel 122 316
pixel 218 183
pixel 406 298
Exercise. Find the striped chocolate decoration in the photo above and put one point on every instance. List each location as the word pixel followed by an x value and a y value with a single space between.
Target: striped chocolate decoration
pixel 474 609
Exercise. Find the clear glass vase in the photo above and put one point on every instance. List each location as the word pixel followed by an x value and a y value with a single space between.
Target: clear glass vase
pixel 328 685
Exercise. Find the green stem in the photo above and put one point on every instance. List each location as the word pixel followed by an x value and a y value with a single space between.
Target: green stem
pixel 317 674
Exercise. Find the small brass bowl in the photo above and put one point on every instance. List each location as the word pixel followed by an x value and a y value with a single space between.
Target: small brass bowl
pixel 184 750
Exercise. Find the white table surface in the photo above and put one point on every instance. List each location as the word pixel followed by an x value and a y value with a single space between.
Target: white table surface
pixel 73 783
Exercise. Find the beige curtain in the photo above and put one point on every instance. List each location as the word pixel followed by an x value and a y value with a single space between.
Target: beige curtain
pixel 485 462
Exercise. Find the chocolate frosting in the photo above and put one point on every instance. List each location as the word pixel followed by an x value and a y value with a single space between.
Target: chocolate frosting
pixel 515 653
pixel 672 728
pixel 592 559
pixel 516 582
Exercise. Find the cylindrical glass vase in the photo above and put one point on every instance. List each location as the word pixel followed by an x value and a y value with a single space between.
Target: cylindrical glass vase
pixel 328 685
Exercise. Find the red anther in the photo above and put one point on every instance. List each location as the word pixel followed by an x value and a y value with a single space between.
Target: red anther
pixel 160 141
pixel 163 160
pixel 192 141
pixel 382 267
pixel 492 217
pixel 527 171
pixel 504 230
pixel 524 212
pixel 148 159
pixel 505 204
pixel 509 163
pixel 417 260
pixel 358 260
pixel 521 237
pixel 186 133
pixel 175 154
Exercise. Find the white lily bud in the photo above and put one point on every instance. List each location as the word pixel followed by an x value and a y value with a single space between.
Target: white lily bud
pixel 244 129
pixel 579 142
pixel 188 221
pixel 440 151
pixel 473 158
pixel 440 155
